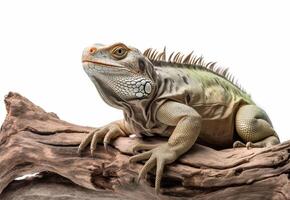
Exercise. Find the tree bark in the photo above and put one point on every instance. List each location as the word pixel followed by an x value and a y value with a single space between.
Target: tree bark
pixel 32 141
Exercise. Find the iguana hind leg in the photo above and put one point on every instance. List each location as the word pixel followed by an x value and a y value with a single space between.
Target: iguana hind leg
pixel 254 127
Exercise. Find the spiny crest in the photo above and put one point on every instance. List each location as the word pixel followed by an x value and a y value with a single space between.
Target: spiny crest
pixel 190 61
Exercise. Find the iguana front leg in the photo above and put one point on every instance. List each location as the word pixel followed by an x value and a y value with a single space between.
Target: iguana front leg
pixel 104 134
pixel 187 124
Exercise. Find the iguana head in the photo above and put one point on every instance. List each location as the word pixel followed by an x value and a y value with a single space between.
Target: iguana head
pixel 120 72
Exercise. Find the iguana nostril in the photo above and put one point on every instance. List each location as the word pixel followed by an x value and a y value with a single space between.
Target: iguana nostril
pixel 93 50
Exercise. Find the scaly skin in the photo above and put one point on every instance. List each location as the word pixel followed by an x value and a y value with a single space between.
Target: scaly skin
pixel 182 99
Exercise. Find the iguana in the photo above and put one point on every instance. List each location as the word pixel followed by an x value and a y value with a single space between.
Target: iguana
pixel 181 98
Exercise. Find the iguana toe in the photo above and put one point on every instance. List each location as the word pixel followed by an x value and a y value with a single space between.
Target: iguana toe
pixel 139 157
pixel 85 142
pixel 94 142
pixel 150 164
pixel 140 147
pixel 249 145
pixel 159 174
pixel 112 134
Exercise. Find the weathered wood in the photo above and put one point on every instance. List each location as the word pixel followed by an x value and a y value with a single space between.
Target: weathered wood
pixel 32 140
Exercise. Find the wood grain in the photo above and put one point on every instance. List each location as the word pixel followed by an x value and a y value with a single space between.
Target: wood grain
pixel 32 140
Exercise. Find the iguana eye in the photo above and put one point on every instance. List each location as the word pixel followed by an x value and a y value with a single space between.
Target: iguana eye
pixel 119 52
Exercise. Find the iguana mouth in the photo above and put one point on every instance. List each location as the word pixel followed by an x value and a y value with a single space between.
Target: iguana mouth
pixel 100 63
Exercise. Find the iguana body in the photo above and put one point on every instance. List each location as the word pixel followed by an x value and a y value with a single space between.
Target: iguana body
pixel 180 98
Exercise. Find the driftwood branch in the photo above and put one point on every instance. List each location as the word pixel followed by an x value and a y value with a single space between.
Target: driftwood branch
pixel 32 140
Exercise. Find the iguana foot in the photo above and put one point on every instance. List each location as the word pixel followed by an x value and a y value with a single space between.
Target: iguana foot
pixel 157 157
pixel 269 141
pixel 104 134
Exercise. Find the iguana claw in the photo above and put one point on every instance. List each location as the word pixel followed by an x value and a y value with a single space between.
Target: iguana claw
pixel 238 144
pixel 106 145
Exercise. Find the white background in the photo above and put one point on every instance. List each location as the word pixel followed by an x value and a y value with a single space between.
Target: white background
pixel 41 44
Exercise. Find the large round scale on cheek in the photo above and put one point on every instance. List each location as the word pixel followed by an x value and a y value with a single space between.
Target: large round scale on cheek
pixel 148 88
